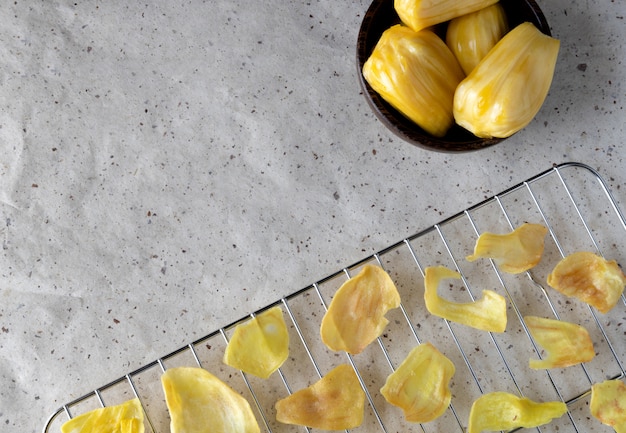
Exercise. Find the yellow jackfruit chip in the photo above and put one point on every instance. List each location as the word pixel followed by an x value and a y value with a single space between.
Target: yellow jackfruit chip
pixel 260 345
pixel 487 313
pixel 335 402
pixel 590 278
pixel 503 411
pixel 421 384
pixel 356 315
pixel 199 402
pixel 123 418
pixel 608 404
pixel 565 343
pixel 513 252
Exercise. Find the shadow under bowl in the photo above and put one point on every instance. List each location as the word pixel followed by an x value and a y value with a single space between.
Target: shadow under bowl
pixel 380 16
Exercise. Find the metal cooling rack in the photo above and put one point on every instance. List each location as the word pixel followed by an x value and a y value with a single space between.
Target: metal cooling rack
pixel 571 199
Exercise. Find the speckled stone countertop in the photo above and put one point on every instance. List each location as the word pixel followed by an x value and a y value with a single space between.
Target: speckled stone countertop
pixel 168 167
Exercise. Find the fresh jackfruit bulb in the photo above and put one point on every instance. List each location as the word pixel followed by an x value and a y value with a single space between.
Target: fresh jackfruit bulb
pixel 123 418
pixel 470 37
pixel 260 345
pixel 335 402
pixel 420 14
pixel 565 343
pixel 356 315
pixel 589 278
pixel 608 404
pixel 421 384
pixel 199 402
pixel 503 411
pixel 513 252
pixel 505 91
pixel 487 313
pixel 417 74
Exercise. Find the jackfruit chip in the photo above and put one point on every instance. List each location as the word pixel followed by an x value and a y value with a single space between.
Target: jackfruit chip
pixel 199 402
pixel 420 386
pixel 123 418
pixel 503 411
pixel 487 313
pixel 513 252
pixel 589 278
pixel 356 315
pixel 260 345
pixel 608 404
pixel 335 402
pixel 565 343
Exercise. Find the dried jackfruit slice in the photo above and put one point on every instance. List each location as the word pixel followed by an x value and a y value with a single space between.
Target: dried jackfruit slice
pixel 335 402
pixel 589 278
pixel 470 37
pixel 487 313
pixel 199 402
pixel 124 418
pixel 356 315
pixel 419 14
pixel 417 74
pixel 260 345
pixel 421 384
pixel 565 343
pixel 505 91
pixel 513 252
pixel 608 404
pixel 503 411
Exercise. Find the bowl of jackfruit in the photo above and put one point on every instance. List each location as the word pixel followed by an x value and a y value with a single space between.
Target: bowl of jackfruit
pixel 455 76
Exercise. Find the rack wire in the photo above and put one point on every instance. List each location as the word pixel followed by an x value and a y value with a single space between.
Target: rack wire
pixel 571 200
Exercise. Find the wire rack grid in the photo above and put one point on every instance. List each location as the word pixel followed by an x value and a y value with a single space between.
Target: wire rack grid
pixel 571 200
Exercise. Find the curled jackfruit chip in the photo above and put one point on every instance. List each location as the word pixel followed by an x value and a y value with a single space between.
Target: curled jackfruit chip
pixel 419 14
pixel 420 386
pixel 505 91
pixel 565 343
pixel 471 36
pixel 335 402
pixel 260 345
pixel 199 402
pixel 513 252
pixel 123 418
pixel 503 411
pixel 589 278
pixel 417 74
pixel 608 404
pixel 356 315
pixel 487 313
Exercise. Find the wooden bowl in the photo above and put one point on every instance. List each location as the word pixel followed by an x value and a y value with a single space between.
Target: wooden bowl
pixel 379 17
